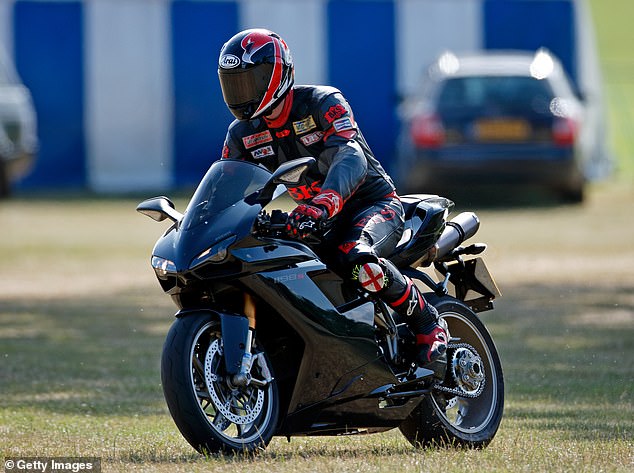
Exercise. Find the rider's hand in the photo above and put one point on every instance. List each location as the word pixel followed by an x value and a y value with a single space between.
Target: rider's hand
pixel 305 220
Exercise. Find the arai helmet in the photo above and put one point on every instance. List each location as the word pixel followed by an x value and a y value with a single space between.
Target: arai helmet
pixel 256 72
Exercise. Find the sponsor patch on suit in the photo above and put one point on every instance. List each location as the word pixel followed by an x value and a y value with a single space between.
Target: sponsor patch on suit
pixel 257 139
pixel 264 152
pixel 334 112
pixel 343 124
pixel 302 126
pixel 311 138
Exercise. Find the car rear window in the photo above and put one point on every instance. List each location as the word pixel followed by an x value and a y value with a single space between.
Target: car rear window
pixel 500 93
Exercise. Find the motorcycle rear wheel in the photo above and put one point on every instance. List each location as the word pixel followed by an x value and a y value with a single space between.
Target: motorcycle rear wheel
pixel 444 419
pixel 212 414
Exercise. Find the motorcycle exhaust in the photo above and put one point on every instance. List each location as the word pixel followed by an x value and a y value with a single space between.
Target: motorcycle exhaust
pixel 458 229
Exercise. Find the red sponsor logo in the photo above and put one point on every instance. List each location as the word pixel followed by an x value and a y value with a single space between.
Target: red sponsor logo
pixel 305 192
pixel 334 112
pixel 283 133
pixel 384 215
pixel 257 139
pixel 225 151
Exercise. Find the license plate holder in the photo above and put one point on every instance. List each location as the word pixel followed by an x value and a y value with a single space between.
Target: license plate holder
pixel 473 283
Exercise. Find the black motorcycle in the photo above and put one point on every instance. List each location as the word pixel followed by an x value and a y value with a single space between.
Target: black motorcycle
pixel 326 358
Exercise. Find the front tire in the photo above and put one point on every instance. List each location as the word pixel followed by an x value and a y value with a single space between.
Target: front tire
pixel 211 413
pixel 473 368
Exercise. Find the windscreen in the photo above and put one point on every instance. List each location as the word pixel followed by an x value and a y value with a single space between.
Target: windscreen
pixel 226 184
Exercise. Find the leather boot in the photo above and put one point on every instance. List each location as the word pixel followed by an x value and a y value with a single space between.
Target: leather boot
pixel 422 319
pixel 400 293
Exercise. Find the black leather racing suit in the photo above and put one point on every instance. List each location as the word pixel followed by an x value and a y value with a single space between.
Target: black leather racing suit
pixel 347 180
pixel 359 195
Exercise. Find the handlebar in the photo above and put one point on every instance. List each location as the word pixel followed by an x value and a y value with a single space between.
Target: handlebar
pixel 274 225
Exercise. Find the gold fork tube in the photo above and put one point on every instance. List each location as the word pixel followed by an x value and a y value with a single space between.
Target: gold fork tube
pixel 249 309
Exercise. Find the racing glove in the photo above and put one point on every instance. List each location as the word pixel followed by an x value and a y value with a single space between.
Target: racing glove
pixel 305 220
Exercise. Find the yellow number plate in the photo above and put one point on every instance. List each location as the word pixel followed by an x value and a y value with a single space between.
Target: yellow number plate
pixel 502 130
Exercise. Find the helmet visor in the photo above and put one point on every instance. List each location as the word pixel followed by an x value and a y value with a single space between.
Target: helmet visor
pixel 244 86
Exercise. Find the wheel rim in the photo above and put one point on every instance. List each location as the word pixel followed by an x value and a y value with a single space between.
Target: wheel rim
pixel 471 370
pixel 239 414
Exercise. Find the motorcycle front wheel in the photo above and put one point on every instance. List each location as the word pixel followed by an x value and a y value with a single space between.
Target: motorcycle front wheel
pixel 466 409
pixel 212 413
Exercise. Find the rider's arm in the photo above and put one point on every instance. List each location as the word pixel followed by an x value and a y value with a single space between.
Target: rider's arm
pixel 231 148
pixel 343 160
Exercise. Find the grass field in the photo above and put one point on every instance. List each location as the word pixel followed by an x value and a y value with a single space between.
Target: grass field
pixel 82 321
pixel 612 19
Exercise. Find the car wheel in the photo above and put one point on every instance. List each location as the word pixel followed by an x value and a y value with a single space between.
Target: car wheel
pixel 5 185
pixel 573 195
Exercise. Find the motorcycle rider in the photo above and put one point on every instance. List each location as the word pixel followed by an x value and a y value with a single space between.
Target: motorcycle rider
pixel 277 121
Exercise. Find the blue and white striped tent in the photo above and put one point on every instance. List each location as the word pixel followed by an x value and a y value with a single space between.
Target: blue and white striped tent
pixel 127 94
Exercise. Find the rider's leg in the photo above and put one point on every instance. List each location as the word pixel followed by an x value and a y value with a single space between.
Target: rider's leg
pixel 400 293
pixel 374 233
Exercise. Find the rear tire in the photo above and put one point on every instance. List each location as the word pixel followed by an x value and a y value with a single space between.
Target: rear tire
pixel 212 414
pixel 443 419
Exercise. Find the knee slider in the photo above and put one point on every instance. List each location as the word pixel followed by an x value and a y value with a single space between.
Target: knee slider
pixel 371 277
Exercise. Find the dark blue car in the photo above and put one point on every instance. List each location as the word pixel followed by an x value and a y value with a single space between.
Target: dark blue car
pixel 495 117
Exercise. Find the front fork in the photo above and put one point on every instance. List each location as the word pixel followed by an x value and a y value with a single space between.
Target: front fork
pixel 237 336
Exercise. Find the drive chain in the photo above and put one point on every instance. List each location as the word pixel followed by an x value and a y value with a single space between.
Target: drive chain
pixel 458 391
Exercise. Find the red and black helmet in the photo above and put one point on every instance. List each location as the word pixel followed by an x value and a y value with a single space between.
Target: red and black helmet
pixel 256 72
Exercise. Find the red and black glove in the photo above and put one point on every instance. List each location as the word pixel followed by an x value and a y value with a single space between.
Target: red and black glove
pixel 305 220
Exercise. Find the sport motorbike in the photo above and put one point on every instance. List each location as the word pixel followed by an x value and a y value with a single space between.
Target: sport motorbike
pixel 269 341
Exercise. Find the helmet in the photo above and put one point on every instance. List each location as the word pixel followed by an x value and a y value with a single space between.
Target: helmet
pixel 256 72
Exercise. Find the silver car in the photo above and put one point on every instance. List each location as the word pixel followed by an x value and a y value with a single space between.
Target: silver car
pixel 18 127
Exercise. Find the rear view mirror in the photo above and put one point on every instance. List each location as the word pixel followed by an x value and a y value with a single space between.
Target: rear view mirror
pixel 289 173
pixel 159 208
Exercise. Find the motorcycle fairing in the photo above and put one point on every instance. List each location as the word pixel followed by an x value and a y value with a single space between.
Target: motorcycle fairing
pixel 269 254
pixel 183 245
pixel 223 205
pixel 342 363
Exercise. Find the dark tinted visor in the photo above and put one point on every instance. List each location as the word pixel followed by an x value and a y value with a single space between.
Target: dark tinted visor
pixel 242 86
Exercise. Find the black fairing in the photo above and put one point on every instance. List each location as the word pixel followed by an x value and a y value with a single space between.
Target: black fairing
pixel 215 212
pixel 221 213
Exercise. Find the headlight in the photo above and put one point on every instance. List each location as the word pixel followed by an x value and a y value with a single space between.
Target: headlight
pixel 216 254
pixel 162 266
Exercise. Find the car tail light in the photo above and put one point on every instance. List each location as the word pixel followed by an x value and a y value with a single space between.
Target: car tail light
pixel 564 131
pixel 427 131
